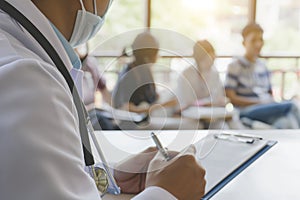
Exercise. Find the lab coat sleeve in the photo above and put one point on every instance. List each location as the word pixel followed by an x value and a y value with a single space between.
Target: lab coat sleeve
pixel 40 147
pixel 154 192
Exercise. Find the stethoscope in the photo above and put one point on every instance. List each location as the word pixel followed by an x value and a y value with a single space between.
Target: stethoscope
pixel 102 177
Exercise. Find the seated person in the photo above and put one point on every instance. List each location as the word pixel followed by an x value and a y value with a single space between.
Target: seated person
pixel 200 84
pixel 248 86
pixel 135 90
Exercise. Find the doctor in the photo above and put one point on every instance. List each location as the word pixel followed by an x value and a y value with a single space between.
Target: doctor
pixel 40 146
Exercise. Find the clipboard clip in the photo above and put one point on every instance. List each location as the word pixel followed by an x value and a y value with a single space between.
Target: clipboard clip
pixel 244 138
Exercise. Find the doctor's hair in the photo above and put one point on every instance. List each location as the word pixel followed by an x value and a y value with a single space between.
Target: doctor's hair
pixel 250 28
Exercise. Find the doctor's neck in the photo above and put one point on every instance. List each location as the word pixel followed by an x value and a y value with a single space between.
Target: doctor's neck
pixel 61 13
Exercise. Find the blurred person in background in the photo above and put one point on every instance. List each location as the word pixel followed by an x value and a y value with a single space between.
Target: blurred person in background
pixel 200 85
pixel 248 86
pixel 135 90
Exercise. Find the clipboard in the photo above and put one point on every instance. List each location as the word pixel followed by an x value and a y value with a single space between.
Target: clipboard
pixel 224 158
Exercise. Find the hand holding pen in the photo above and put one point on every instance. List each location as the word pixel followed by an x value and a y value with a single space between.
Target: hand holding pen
pixel 182 176
pixel 160 148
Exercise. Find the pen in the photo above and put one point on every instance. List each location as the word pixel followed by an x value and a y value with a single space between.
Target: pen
pixel 234 138
pixel 250 139
pixel 243 135
pixel 160 148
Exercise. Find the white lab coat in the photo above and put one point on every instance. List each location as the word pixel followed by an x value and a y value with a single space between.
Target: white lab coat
pixel 40 148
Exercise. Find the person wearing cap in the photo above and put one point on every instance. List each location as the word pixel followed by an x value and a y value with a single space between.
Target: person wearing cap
pixel 41 150
pixel 135 90
pixel 249 88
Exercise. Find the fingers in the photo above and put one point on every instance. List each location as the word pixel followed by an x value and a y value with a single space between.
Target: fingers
pixel 190 150
pixel 173 154
pixel 182 176
pixel 160 162
pixel 193 174
pixel 135 163
pixel 150 149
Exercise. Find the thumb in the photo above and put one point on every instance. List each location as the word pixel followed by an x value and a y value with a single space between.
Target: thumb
pixel 160 162
pixel 190 150
pixel 159 156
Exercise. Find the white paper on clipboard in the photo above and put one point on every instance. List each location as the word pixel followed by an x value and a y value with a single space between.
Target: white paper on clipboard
pixel 221 157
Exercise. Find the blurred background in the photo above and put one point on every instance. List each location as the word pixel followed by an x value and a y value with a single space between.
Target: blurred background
pixel 219 21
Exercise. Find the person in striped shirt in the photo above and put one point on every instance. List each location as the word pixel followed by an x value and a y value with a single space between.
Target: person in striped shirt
pixel 249 88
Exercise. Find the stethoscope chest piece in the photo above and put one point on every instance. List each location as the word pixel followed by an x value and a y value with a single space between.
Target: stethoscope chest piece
pixel 101 180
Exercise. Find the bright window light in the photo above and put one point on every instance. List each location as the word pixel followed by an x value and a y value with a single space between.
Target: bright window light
pixel 206 5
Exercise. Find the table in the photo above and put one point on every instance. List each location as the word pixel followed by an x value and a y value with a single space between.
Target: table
pixel 208 113
pixel 275 175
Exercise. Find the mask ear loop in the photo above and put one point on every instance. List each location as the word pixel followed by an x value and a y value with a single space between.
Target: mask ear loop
pixel 95 7
pixel 82 5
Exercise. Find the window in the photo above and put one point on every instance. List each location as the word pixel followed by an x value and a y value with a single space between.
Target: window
pixel 123 16
pixel 219 21
pixel 280 20
pixel 181 22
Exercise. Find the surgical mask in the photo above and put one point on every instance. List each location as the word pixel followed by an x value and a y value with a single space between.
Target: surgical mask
pixel 86 26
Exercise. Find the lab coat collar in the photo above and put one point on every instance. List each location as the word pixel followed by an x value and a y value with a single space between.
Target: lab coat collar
pixel 74 58
pixel 42 23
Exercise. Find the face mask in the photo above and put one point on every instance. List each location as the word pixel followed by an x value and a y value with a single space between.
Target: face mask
pixel 86 26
